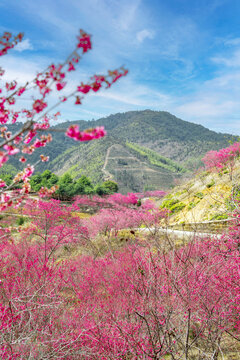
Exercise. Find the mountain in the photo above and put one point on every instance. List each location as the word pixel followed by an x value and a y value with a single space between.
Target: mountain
pixel 111 159
pixel 143 150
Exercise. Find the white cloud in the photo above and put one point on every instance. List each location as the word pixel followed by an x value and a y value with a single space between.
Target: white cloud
pixel 232 42
pixel 230 61
pixel 21 69
pixel 136 95
pixel 206 108
pixel 216 103
pixel 145 34
pixel 128 14
pixel 24 45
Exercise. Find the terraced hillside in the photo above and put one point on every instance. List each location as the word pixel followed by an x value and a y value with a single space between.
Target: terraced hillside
pixel 133 173
pixel 106 159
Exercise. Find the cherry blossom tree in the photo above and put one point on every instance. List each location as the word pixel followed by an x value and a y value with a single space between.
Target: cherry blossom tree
pixel 38 116
pixel 223 158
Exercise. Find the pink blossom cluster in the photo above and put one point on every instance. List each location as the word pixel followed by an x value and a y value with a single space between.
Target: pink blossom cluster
pixel 111 201
pixel 5 201
pixel 120 199
pixel 86 135
pixel 3 158
pixel 2 183
pixel 8 41
pixel 223 157
pixel 117 211
pixel 84 41
pixel 44 192
pixel 25 174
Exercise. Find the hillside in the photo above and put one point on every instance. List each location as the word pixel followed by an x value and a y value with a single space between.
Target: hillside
pixel 110 159
pixel 143 150
pixel 207 196
pixel 160 131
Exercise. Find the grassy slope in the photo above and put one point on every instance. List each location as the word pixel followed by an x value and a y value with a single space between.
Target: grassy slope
pixel 83 159
pixel 205 197
pixel 156 159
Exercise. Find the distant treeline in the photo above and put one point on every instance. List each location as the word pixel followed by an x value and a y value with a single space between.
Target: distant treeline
pixel 67 186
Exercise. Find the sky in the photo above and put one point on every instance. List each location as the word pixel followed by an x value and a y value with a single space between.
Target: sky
pixel 183 56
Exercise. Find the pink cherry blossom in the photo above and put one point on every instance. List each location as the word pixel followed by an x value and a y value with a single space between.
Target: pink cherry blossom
pixel 84 41
pixel 11 150
pixel 86 135
pixel 84 88
pixel 2 183
pixel 39 105
pixel 60 85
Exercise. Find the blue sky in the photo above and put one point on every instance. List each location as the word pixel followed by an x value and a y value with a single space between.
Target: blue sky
pixel 183 56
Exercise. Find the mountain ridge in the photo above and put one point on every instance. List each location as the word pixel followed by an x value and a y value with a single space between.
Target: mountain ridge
pixel 158 131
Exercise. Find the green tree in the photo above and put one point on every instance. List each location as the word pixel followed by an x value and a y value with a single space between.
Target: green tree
pixel 46 174
pixel 36 182
pixel 66 187
pixel 46 179
pixel 101 190
pixel 8 178
pixel 112 186
pixel 7 173
pixel 83 186
pixel 53 180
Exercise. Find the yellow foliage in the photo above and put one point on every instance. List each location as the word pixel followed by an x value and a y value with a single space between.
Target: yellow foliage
pixel 126 234
pixel 80 215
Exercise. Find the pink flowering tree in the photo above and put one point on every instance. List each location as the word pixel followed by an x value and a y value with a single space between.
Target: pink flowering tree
pixel 223 158
pixel 35 132
pixel 53 226
pixel 120 211
pixel 148 304
pixel 138 302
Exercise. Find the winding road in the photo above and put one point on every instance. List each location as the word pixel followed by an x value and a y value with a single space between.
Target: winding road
pixel 183 234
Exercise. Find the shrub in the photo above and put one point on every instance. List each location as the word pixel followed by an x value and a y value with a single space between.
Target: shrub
pixel 177 207
pixel 191 205
pixel 219 217
pixel 199 195
pixel 167 204
pixel 209 185
pixel 112 186
pixel 20 220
